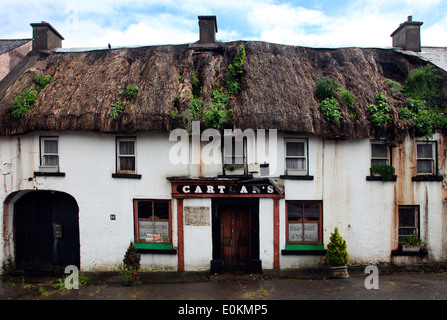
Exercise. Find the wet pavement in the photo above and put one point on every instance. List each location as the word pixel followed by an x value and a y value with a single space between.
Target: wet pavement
pixel 259 290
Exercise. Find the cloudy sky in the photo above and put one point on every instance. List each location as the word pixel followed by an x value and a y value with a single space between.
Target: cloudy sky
pixel 314 23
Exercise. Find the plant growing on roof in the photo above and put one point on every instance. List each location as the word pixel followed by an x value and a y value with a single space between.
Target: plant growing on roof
pixel 330 109
pixel 381 111
pixel 22 103
pixel 118 107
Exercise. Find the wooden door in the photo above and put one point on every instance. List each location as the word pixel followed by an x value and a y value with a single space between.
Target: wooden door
pixel 235 238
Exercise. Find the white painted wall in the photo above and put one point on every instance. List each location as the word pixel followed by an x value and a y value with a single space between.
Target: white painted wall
pixel 364 211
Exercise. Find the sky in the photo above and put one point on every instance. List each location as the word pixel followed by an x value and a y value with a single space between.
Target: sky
pixel 309 23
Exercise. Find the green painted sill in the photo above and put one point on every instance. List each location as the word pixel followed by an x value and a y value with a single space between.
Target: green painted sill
pixel 156 246
pixel 304 247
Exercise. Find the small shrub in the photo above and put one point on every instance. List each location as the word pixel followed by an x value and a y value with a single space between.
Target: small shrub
pixel 337 254
pixel 131 92
pixel 386 172
pixel 330 109
pixel 348 98
pixel 380 112
pixel 423 84
pixel 325 88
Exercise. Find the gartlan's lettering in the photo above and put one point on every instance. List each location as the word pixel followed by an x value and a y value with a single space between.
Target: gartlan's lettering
pixel 219 189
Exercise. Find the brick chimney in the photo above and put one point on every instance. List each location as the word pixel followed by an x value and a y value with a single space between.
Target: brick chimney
pixel 45 37
pixel 408 35
pixel 208 29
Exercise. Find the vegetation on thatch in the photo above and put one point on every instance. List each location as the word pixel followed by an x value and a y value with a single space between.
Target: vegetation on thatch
pixel 275 91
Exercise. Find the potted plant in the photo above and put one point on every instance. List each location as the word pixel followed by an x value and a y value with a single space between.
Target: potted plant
pixel 412 243
pixel 130 267
pixel 386 172
pixel 234 170
pixel 337 256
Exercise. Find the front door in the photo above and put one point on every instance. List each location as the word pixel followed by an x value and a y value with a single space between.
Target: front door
pixel 46 232
pixel 235 238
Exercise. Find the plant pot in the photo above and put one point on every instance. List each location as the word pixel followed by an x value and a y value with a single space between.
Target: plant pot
pixel 339 272
pixel 234 172
pixel 406 248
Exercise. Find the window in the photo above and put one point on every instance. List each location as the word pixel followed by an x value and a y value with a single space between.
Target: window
pixel 426 155
pixel 126 155
pixel 234 155
pixel 49 153
pixel 296 157
pixel 408 221
pixel 152 221
pixel 380 154
pixel 304 222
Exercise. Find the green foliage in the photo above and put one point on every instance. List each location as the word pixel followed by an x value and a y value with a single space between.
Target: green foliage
pixel 22 103
pixel 235 71
pixel 325 88
pixel 330 109
pixel 337 254
pixel 386 172
pixel 412 240
pixel 132 257
pixel 424 84
pixel 217 115
pixel 8 266
pixel 131 92
pixel 380 112
pixel 394 85
pixel 348 98
pixel 119 106
pixel 195 84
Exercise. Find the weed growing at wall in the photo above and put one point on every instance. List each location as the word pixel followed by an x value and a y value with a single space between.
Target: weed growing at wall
pixel 22 103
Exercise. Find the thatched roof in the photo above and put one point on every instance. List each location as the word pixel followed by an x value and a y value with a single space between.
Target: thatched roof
pixel 278 87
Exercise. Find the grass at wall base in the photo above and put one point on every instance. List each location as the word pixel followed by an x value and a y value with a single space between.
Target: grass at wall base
pixel 337 256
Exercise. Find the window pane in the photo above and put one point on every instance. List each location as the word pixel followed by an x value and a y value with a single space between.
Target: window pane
pixel 310 231
pixel 126 148
pixel 379 150
pixel 295 149
pixel 424 166
pixel 51 161
pixel 407 217
pixel 379 162
pixel 295 232
pixel 425 151
pixel 161 210
pixel 144 209
pixel 296 164
pixel 312 211
pixel 294 211
pixel 127 163
pixel 50 146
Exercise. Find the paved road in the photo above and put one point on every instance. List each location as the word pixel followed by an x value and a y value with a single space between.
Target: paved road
pixel 235 291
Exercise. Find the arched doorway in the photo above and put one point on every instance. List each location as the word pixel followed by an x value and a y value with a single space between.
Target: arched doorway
pixel 46 232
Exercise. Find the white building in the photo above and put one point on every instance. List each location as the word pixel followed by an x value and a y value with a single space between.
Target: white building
pixel 77 186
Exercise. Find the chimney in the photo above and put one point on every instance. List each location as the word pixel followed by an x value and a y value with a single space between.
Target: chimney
pixel 45 37
pixel 408 35
pixel 208 29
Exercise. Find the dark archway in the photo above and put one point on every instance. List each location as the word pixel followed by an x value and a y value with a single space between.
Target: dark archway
pixel 46 232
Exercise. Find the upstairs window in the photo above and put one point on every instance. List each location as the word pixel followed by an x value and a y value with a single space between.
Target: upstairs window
pixel 49 153
pixel 126 155
pixel 296 157
pixel 380 154
pixel 426 157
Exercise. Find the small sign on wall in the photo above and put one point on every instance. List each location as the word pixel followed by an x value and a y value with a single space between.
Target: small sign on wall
pixel 197 216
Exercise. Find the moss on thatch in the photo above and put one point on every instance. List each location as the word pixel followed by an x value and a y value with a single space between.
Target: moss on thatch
pixel 278 88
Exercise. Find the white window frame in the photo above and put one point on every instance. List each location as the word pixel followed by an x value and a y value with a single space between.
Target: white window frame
pixel 433 159
pixel 233 156
pixel 296 172
pixel 388 156
pixel 119 156
pixel 43 166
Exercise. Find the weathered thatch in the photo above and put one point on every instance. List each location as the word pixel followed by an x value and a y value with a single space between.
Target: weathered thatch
pixel 278 87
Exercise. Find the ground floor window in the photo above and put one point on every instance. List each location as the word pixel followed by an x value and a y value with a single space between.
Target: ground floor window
pixel 152 221
pixel 408 222
pixel 304 222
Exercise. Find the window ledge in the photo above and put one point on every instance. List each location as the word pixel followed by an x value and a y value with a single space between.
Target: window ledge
pixel 303 252
pixel 378 178
pixel 126 175
pixel 49 174
pixel 156 248
pixel 296 177
pixel 421 253
pixel 427 177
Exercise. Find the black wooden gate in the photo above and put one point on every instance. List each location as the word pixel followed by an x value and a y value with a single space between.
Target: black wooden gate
pixel 46 232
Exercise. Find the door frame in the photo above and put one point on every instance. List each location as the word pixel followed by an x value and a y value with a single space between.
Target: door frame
pixel 255 265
